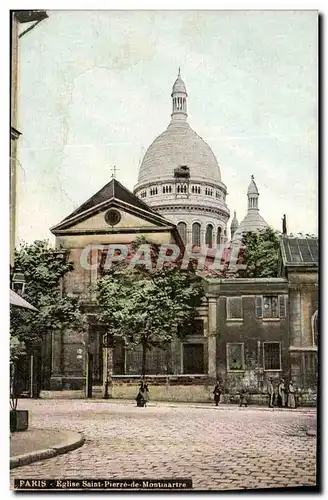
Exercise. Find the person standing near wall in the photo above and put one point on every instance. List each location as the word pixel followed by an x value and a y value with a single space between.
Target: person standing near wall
pixel 271 393
pixel 217 393
pixel 291 403
pixel 282 394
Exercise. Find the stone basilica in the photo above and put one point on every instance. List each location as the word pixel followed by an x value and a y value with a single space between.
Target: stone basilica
pixel 180 178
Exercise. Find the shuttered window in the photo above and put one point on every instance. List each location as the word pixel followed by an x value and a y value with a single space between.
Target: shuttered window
pixel 282 306
pixel 271 306
pixel 259 307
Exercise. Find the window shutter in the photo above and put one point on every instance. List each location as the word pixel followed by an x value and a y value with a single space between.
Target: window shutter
pixel 282 306
pixel 259 306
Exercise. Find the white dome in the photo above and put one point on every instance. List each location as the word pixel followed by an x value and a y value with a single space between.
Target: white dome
pixel 179 145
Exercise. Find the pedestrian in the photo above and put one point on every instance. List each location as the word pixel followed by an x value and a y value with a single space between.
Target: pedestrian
pixel 141 396
pixel 217 393
pixel 291 402
pixel 282 393
pixel 271 393
pixel 243 398
pixel 146 394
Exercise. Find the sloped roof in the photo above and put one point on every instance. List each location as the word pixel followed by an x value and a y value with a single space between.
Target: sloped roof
pixel 114 189
pixel 18 301
pixel 299 251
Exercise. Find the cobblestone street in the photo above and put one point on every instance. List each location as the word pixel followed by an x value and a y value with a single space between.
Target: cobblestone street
pixel 218 448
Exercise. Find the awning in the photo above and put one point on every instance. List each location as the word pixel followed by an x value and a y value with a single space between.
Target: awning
pixel 18 301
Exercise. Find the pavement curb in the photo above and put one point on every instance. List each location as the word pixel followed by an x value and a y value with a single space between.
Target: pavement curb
pixel 231 407
pixel 72 442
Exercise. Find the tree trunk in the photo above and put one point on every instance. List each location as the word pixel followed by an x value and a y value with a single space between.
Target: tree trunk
pixel 143 362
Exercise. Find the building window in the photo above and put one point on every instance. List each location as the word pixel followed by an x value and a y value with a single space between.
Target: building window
pixel 270 306
pixel 272 355
pixel 209 191
pixel 235 357
pixel 218 236
pixel 182 228
pixel 195 189
pixel 193 358
pixel 197 328
pixel 153 191
pixel 234 308
pixel 167 189
pixel 196 234
pixel 218 195
pixel 209 235
pixel 143 194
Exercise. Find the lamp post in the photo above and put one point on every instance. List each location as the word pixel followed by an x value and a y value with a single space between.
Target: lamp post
pixel 18 282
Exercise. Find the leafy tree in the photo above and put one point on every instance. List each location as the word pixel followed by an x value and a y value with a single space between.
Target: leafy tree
pixel 148 307
pixel 261 254
pixel 43 268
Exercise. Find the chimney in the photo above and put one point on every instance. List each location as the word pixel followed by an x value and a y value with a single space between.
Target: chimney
pixel 284 225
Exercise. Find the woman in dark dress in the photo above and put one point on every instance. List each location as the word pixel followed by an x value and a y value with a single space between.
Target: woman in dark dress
pixel 141 396
pixel 217 394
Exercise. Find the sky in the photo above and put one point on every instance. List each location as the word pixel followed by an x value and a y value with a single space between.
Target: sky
pixel 95 92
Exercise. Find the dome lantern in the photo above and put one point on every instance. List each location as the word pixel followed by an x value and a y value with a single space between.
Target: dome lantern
pixel 253 195
pixel 179 100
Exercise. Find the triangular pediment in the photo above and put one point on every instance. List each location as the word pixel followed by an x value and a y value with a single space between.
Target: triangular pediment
pixel 134 214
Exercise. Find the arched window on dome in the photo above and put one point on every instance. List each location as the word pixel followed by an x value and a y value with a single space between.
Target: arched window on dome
pixel 196 234
pixel 218 236
pixel 209 235
pixel 182 228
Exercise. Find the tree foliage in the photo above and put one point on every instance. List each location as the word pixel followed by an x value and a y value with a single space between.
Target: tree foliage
pixel 261 254
pixel 43 268
pixel 148 307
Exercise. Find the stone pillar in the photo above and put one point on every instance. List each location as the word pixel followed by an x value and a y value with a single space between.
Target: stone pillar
pixel 176 357
pixel 56 360
pixel 212 333
pixel 108 371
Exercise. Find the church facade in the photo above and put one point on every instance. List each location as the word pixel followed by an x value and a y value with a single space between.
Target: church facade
pixel 247 330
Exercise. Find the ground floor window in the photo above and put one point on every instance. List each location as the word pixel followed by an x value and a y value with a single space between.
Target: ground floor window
pixel 272 355
pixel 193 358
pixel 235 356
